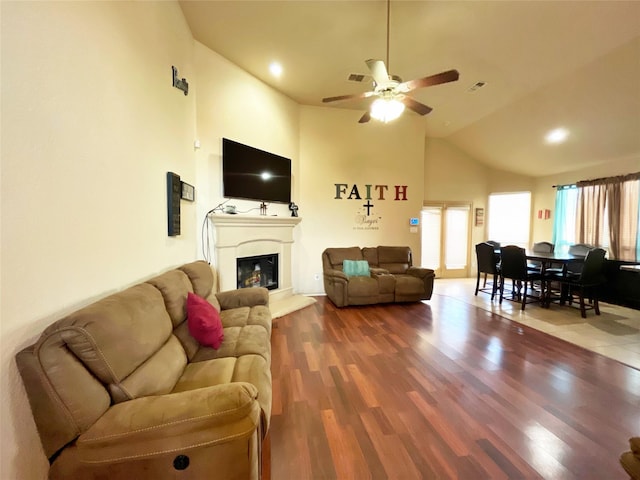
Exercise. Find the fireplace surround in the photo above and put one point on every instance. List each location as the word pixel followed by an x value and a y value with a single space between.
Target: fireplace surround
pixel 238 236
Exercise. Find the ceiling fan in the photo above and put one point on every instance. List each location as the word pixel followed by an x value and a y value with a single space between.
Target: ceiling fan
pixel 392 91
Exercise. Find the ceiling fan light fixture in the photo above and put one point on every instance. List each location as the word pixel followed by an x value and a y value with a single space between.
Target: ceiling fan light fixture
pixel 386 109
pixel 557 135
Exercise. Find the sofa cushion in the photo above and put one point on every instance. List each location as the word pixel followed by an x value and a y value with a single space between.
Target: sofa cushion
pixel 114 336
pixel 338 255
pixel 253 369
pixel 174 286
pixel 394 259
pixel 247 340
pixel 386 283
pixel 370 254
pixel 355 268
pixel 203 280
pixel 362 287
pixel 259 315
pixel 241 316
pixel 204 321
pixel 157 376
pixel 409 285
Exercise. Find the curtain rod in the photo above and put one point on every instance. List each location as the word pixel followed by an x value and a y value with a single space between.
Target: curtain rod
pixel 595 181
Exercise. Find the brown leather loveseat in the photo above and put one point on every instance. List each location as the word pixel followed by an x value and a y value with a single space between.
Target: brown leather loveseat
pixel 392 276
pixel 121 390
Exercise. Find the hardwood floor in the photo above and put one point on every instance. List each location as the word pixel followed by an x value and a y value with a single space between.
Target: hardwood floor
pixel 442 389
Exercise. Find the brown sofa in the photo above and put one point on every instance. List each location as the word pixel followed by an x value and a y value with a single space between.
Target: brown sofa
pixel 393 277
pixel 121 390
pixel 630 460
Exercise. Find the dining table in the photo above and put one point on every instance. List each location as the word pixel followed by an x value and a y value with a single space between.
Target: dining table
pixel 547 259
pixel 550 260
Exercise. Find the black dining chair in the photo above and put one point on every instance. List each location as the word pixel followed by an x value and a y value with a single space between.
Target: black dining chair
pixel 539 247
pixel 570 268
pixel 513 265
pixel 585 283
pixel 487 265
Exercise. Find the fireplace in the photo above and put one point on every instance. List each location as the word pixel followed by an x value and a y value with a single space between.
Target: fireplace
pixel 258 271
pixel 239 236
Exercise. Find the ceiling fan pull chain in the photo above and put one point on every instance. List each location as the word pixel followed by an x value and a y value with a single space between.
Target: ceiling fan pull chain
pixel 388 13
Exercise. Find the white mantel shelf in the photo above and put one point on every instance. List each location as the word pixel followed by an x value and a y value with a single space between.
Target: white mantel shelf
pixel 237 236
pixel 253 220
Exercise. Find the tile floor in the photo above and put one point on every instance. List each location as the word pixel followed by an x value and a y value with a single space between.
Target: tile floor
pixel 614 334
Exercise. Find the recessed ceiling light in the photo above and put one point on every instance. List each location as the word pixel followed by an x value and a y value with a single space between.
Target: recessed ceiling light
pixel 276 69
pixel 557 135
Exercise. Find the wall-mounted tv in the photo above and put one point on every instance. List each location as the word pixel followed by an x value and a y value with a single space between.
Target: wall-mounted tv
pixel 253 174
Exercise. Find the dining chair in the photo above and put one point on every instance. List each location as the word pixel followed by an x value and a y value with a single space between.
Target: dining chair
pixel 539 247
pixel 513 265
pixel 580 249
pixel 496 248
pixel 487 265
pixel 536 265
pixel 585 283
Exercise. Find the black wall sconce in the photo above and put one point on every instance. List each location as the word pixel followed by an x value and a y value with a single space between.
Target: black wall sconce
pixel 179 83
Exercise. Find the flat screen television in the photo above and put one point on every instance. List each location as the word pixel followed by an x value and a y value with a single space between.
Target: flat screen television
pixel 252 174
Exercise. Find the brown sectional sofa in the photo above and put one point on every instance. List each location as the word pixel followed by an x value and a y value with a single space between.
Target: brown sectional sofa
pixel 120 389
pixel 393 277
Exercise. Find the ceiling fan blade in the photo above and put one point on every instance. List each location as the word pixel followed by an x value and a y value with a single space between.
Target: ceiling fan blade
pixel 437 79
pixel 347 97
pixel 378 71
pixel 419 108
pixel 365 118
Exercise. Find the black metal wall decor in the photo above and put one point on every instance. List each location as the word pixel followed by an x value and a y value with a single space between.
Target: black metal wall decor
pixel 179 83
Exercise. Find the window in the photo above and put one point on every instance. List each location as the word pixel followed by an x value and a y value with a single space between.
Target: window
pixel 510 218
pixel 565 218
pixel 603 212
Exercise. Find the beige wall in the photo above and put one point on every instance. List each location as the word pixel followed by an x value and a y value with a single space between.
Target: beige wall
pixel 96 126
pixel 232 104
pixel 90 126
pixel 336 149
pixel 454 176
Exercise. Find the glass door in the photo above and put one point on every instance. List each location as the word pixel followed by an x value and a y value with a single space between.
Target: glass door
pixel 445 238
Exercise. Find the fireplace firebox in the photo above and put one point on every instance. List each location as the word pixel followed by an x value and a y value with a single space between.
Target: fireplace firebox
pixel 258 271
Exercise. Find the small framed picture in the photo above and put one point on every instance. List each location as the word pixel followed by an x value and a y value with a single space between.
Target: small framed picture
pixel 188 192
pixel 479 217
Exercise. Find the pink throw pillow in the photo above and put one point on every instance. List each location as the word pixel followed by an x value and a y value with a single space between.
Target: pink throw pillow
pixel 204 322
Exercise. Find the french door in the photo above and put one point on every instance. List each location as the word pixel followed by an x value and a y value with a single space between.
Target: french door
pixel 445 238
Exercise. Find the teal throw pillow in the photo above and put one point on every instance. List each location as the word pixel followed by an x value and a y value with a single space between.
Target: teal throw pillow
pixel 355 268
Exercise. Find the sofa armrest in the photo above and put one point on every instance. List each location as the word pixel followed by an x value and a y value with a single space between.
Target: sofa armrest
pixel 420 272
pixel 157 425
pixel 335 274
pixel 243 297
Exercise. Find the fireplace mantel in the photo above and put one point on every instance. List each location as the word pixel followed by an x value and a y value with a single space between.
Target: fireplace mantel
pixel 244 236
pixel 253 220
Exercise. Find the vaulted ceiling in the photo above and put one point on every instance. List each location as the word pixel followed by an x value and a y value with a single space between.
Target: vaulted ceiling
pixel 545 64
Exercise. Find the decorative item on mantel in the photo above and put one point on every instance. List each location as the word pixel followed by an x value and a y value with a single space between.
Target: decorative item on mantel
pixel 294 209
